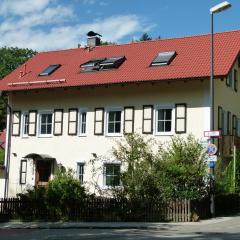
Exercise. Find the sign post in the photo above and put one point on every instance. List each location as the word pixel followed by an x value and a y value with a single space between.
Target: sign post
pixel 212 158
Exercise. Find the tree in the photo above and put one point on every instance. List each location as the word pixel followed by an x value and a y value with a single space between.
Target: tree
pixel 145 37
pixel 10 59
pixel 106 43
pixel 175 170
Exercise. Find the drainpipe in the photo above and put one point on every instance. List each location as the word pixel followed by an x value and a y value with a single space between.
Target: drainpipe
pixel 8 145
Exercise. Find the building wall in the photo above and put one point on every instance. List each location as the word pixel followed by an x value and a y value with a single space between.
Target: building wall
pixel 227 98
pixel 2 182
pixel 68 150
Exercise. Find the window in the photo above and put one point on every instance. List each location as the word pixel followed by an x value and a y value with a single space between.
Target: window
pixel 99 64
pixel 46 122
pixel 113 62
pixel 23 171
pixel 220 118
pixel 80 172
pixel 164 121
pixel 25 127
pixel 238 127
pixel 112 175
pixel 163 58
pixel 83 123
pixel 114 122
pixel 50 69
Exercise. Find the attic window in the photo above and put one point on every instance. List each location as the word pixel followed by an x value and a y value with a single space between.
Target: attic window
pixel 163 58
pixel 102 64
pixel 50 69
pixel 92 65
pixel 113 62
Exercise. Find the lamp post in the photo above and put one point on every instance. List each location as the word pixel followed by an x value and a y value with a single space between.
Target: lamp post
pixel 216 9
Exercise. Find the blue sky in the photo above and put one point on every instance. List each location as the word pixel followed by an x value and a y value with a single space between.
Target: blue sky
pixel 59 24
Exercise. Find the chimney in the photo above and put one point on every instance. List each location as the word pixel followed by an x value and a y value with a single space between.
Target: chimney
pixel 93 39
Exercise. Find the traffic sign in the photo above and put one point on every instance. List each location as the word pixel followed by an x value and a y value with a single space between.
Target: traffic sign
pixel 211 164
pixel 212 158
pixel 212 134
pixel 212 149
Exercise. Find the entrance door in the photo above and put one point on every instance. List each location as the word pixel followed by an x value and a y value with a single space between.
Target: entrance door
pixel 43 172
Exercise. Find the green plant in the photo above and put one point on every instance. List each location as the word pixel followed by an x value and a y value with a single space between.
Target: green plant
pixel 177 170
pixel 2 156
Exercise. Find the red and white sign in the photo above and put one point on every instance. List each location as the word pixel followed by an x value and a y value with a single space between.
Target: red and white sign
pixel 213 134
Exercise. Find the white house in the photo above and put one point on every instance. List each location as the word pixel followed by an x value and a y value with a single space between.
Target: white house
pixel 68 106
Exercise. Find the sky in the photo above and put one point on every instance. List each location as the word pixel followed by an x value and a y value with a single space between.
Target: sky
pixel 59 24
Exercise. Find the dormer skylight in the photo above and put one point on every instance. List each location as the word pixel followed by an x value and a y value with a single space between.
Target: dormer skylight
pixel 102 64
pixel 113 62
pixel 92 65
pixel 163 58
pixel 50 69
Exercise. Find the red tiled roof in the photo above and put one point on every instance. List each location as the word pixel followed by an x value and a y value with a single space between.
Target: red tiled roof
pixel 2 139
pixel 192 61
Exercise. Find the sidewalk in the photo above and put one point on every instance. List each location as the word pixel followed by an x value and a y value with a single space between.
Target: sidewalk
pixel 104 225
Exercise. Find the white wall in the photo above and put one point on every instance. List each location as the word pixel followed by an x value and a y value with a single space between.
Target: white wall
pixel 69 150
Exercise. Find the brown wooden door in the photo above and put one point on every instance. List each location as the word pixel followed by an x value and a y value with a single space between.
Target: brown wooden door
pixel 43 172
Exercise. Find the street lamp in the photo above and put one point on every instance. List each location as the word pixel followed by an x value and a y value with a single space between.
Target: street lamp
pixel 216 9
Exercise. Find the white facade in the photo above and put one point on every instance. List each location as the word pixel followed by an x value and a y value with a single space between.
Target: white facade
pixel 72 151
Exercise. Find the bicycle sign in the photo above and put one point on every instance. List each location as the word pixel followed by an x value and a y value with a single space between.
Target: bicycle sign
pixel 212 149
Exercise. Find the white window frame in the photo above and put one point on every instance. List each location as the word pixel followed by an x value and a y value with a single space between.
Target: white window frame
pixel 159 107
pixel 39 123
pixel 78 168
pixel 104 174
pixel 23 124
pixel 81 111
pixel 113 109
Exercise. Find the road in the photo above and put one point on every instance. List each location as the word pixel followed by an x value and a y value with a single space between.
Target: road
pixel 216 230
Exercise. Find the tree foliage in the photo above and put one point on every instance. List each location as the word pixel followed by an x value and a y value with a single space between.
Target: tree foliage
pixel 10 59
pixel 175 171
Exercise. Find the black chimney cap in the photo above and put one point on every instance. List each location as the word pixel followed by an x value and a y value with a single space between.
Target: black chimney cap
pixel 93 34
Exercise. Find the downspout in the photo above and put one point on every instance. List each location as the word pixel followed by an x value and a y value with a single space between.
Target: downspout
pixel 8 152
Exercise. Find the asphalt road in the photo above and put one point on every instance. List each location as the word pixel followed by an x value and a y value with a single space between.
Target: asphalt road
pixel 215 230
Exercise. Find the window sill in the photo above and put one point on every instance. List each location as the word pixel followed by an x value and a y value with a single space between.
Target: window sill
pixel 45 136
pixel 111 187
pixel 164 134
pixel 114 135
pixel 82 135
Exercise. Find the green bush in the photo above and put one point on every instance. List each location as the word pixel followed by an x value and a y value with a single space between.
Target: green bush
pixel 176 170
pixel 2 156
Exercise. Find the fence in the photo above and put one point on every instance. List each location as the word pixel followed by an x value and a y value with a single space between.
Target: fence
pixel 103 209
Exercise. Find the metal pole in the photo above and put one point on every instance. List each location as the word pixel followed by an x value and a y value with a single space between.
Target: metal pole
pixel 234 168
pixel 212 183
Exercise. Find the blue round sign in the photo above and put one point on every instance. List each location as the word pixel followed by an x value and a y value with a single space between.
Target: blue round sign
pixel 212 149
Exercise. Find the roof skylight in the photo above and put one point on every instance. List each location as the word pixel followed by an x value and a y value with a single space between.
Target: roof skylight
pixel 163 58
pixel 50 69
pixel 102 64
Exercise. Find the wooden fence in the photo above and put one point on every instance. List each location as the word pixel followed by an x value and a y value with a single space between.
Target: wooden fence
pixel 101 209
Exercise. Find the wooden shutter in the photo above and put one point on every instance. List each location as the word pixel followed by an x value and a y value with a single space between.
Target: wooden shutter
pixel 58 122
pixel 129 120
pixel 228 123
pixel 23 172
pixel 235 80
pixel 99 121
pixel 220 118
pixel 234 125
pixel 32 123
pixel 16 123
pixel 72 121
pixel 147 127
pixel 181 118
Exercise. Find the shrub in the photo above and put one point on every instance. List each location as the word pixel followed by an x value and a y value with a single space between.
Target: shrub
pixel 177 170
pixel 2 156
